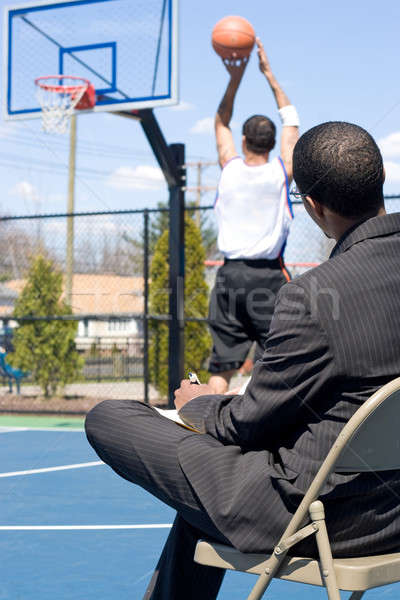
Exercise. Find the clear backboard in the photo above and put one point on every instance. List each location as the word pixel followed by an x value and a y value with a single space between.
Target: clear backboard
pixel 126 48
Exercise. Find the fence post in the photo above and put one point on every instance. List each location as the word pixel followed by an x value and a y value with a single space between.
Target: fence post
pixel 176 275
pixel 146 304
pixel 7 336
pixel 69 261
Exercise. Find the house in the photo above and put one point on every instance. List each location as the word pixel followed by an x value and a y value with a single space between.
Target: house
pixel 7 299
pixel 111 307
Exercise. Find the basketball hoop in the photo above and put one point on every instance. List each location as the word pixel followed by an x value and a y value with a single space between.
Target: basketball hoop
pixel 59 96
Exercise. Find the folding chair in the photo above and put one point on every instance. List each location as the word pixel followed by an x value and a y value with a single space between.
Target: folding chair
pixel 10 373
pixel 370 441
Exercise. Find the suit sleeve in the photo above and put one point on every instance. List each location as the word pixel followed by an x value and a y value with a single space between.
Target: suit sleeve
pixel 296 366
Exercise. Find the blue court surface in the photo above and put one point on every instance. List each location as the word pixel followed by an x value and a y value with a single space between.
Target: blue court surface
pixel 83 533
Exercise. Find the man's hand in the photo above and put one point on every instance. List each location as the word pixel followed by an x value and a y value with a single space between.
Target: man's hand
pixel 263 61
pixel 236 67
pixel 188 391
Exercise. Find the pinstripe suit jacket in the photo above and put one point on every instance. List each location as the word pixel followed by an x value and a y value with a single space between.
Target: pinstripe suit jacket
pixel 333 341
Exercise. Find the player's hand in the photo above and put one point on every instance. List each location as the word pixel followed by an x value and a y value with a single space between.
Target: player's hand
pixel 263 61
pixel 188 391
pixel 236 66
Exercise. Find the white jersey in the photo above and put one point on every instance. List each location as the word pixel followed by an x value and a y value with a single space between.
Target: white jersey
pixel 253 209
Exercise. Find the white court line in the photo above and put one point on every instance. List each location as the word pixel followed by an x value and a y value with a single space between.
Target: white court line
pixel 49 469
pixel 12 429
pixel 65 430
pixel 80 527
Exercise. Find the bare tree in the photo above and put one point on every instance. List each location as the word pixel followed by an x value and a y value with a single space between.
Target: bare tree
pixel 17 247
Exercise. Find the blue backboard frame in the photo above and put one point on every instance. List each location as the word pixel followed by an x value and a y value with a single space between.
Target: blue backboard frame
pixel 111 94
pixel 73 50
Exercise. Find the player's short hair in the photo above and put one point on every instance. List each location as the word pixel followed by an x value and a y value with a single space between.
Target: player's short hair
pixel 340 166
pixel 260 133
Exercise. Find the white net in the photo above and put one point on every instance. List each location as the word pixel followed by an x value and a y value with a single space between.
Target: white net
pixel 58 96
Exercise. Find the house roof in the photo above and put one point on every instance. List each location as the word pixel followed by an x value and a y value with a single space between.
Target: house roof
pixel 97 294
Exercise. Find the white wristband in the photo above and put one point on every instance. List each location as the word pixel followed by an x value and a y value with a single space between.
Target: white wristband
pixel 289 116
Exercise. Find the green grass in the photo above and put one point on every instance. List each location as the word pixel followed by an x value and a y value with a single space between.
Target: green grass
pixel 33 421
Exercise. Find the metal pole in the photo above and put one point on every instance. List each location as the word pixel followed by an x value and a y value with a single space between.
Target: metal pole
pixel 176 275
pixel 146 304
pixel 69 267
pixel 172 162
pixel 198 194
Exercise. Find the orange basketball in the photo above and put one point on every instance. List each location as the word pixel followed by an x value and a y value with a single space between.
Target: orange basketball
pixel 233 37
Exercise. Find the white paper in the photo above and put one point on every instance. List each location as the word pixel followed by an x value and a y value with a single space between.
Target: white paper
pixel 170 413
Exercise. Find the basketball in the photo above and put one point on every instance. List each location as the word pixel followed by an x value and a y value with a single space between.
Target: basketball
pixel 233 37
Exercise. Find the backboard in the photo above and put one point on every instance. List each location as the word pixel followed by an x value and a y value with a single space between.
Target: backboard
pixel 126 48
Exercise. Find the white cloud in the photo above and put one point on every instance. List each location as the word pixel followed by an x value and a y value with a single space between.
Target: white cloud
pixel 25 190
pixel 392 172
pixel 183 106
pixel 142 177
pixel 390 145
pixel 205 125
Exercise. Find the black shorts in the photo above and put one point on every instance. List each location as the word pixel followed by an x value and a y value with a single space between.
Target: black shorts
pixel 241 308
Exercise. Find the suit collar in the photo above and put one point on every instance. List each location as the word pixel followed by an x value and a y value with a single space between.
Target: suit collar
pixel 371 228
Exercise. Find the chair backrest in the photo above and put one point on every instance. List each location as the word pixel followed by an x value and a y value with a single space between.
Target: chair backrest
pixel 375 443
pixel 370 441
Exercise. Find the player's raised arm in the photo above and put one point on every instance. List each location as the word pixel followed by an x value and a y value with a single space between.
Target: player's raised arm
pixel 225 144
pixel 287 112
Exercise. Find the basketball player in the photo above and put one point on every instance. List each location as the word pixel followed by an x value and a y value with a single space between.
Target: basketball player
pixel 253 213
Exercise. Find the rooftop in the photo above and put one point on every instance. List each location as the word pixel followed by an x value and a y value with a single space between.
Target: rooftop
pixel 91 294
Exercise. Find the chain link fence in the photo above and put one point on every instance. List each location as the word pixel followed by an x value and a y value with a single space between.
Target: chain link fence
pixel 106 291
pixel 107 286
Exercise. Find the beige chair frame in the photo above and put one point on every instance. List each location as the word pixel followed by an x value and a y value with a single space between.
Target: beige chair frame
pixel 370 441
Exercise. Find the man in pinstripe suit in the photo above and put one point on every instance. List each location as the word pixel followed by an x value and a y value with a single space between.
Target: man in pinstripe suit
pixel 334 339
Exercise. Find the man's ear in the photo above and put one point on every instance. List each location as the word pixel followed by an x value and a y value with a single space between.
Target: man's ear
pixel 384 175
pixel 314 207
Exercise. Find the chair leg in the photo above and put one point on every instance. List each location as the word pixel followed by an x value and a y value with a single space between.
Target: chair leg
pixel 260 586
pixel 18 384
pixel 263 581
pixel 10 386
pixel 356 595
pixel 317 514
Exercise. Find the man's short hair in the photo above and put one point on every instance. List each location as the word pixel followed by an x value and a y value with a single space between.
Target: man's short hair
pixel 340 166
pixel 260 133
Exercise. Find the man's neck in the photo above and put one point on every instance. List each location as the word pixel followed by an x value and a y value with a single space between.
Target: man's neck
pixel 254 160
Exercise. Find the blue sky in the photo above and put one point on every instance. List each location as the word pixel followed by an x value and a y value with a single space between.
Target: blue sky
pixel 336 61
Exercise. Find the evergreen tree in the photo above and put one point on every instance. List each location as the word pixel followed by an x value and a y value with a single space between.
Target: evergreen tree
pixel 45 348
pixel 159 223
pixel 196 336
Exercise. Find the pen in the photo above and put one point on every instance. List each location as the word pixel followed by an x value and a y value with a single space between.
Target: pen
pixel 193 378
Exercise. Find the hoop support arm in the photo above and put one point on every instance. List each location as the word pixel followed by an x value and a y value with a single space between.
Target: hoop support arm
pixel 155 137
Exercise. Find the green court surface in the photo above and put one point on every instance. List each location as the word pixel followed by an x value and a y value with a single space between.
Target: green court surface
pixel 39 421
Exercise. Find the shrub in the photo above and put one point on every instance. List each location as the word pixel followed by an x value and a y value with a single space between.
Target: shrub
pixel 45 348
